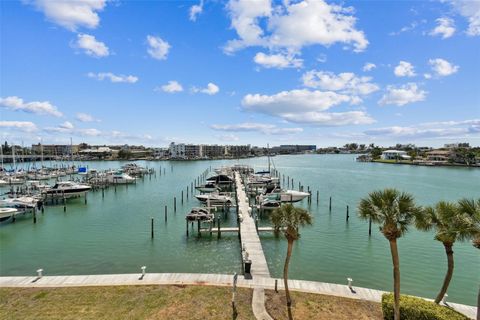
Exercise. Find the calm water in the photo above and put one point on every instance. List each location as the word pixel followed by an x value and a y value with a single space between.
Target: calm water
pixel 112 234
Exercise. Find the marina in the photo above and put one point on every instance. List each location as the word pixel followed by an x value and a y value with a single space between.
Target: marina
pixel 112 232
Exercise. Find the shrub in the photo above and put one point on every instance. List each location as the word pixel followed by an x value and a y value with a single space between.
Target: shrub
pixel 412 308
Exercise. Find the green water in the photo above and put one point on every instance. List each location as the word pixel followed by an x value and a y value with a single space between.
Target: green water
pixel 112 234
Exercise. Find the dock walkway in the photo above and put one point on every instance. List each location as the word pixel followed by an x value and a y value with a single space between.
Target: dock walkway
pixel 249 235
pixel 206 279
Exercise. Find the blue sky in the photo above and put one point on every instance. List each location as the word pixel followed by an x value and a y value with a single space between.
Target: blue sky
pixel 240 72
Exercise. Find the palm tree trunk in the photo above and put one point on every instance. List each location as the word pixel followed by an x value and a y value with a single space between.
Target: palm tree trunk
pixel 285 279
pixel 396 279
pixel 448 276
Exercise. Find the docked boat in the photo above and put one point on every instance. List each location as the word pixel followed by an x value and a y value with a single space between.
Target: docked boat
pixel 214 199
pixel 7 213
pixel 282 195
pixel 66 189
pixel 23 202
pixel 269 204
pixel 208 187
pixel 119 177
pixel 220 179
pixel 199 214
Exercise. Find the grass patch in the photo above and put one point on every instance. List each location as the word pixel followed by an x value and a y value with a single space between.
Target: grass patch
pixel 320 307
pixel 124 302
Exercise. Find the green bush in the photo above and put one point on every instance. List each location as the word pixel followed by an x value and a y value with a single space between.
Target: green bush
pixel 412 308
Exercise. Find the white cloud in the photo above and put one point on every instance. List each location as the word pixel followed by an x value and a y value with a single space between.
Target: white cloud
pixel 445 28
pixel 67 125
pixel 157 48
pixel 292 26
pixel 211 89
pixel 306 106
pixel 112 77
pixel 91 46
pixel 427 76
pixel 92 132
pixel 368 66
pixel 412 26
pixel 71 14
pixel 228 137
pixel 195 10
pixel 442 68
pixel 25 126
pixel 404 69
pixel 471 11
pixel 429 130
pixel 37 107
pixel 295 100
pixel 85 117
pixel 330 118
pixel 171 87
pixel 279 61
pixel 346 82
pixel 403 95
pixel 256 127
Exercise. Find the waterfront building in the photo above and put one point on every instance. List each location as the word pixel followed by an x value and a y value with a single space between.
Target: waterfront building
pixel 238 151
pixel 394 155
pixel 439 155
pixel 55 149
pixel 177 151
pixel 213 151
pixel 193 151
pixel 288 149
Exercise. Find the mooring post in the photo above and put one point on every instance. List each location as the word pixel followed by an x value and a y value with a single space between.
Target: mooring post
pixel 276 285
pixel 151 228
pixel 34 216
pixel 347 213
pixel 85 198
pixel 64 204
pixel 165 213
pixel 370 226
pixel 182 196
pixel 288 181
pixel 174 204
pixel 330 205
pixel 317 196
pixel 187 192
pixel 218 226
pixel 186 226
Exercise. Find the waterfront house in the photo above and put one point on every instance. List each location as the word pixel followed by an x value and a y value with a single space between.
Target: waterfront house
pixel 439 155
pixel 394 155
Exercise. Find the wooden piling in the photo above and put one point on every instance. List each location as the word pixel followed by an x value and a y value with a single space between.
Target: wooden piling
pixel 218 226
pixel 317 196
pixel 370 226
pixel 348 216
pixel 186 226
pixel 330 205
pixel 151 228
pixel 174 204
pixel 182 196
pixel 165 213
pixel 34 216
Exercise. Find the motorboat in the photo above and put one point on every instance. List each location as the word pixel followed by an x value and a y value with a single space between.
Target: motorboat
pixel 208 187
pixel 22 202
pixel 198 213
pixel 66 189
pixel 119 177
pixel 14 181
pixel 3 182
pixel 7 213
pixel 220 179
pixel 214 199
pixel 269 204
pixel 275 193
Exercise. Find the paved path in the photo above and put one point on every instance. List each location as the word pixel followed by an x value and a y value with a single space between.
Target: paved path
pixel 253 247
pixel 207 279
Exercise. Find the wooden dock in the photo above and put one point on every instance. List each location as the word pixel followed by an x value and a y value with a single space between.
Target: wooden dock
pixel 248 233
pixel 234 229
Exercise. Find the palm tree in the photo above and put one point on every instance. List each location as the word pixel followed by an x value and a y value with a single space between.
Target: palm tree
pixel 471 208
pixel 289 219
pixel 450 223
pixel 393 211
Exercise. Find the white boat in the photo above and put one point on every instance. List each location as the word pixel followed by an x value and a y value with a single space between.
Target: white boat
pixel 66 189
pixel 19 203
pixel 7 213
pixel 209 187
pixel 14 181
pixel 214 199
pixel 3 182
pixel 119 177
pixel 284 195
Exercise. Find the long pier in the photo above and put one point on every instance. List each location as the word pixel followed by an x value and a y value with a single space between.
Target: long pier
pixel 251 244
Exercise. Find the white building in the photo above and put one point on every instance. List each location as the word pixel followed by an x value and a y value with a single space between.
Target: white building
pixel 177 150
pixel 395 155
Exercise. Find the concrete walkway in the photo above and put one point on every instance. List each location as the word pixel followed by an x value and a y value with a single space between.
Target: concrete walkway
pixel 208 279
